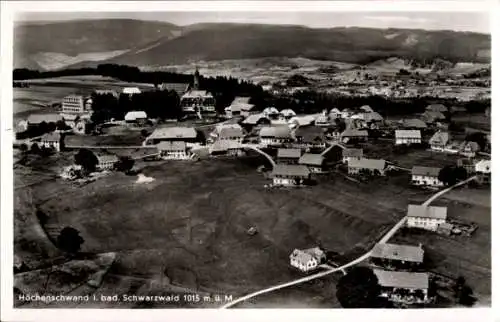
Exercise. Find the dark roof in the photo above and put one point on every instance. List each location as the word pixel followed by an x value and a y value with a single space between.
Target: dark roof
pixel 398 252
pixel 427 211
pixel 311 159
pixel 309 133
pixel 352 153
pixel 289 153
pixel 290 170
pixel 439 138
pixel 366 164
pixel 425 171
pixel 402 279
pixel 51 137
pixel 275 131
pixel 179 88
pixel 229 132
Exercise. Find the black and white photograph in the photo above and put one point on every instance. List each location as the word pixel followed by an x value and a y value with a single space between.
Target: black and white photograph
pixel 250 159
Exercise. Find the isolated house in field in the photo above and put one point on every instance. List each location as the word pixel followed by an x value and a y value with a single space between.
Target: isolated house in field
pixel 52 141
pixel 176 133
pixel 437 108
pixel 439 141
pixel 426 176
pixel 469 149
pixel 138 117
pixel 375 167
pixel 315 162
pixel 350 135
pixel 275 135
pixel 483 171
pixel 407 137
pixel 307 259
pixel 131 90
pixel 396 256
pixel 310 136
pixel 226 147
pixel 351 154
pixel 426 217
pixel 289 156
pixel 290 175
pixel 179 88
pixel 403 287
pixel 413 124
pixel 176 150
pixel 106 161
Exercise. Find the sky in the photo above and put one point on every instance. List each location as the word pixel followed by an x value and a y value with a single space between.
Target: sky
pixel 458 21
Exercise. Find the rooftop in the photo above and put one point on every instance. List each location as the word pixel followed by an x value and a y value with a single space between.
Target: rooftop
pixel 311 159
pixel 230 132
pixel 225 145
pixel 254 118
pixel 405 134
pixel 413 123
pixel 374 164
pixel 179 88
pixel 173 133
pixel 402 279
pixel 133 115
pixel 51 137
pixel 427 211
pixel 47 118
pixel 352 153
pixel 290 170
pixel 275 132
pixel 425 171
pixel 171 146
pixel 440 137
pixel 106 158
pixel 194 93
pixel 131 90
pixel 289 153
pixel 354 133
pixel 398 252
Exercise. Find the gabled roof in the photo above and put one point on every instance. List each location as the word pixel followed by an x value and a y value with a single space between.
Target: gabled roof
pixel 171 146
pixel 223 145
pixel 366 108
pixel 173 133
pixel 195 93
pixel 398 252
pixel 106 158
pixel 179 88
pixel 230 132
pixel 440 138
pixel 405 134
pixel 427 211
pixel 254 118
pixel 51 137
pixel 270 110
pixel 309 133
pixel 289 153
pixel 402 279
pixel 372 116
pixel 473 146
pixel 290 170
pixel 352 153
pixel 354 133
pixel 47 118
pixel 413 123
pixel 311 159
pixel 134 115
pixel 288 112
pixel 373 164
pixel 275 132
pixel 425 171
pixel 433 116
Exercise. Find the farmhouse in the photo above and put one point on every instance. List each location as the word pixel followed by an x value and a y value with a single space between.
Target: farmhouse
pixel 439 141
pixel 52 141
pixel 229 132
pixel 468 149
pixel 426 176
pixel 275 135
pixel 408 137
pixel 289 156
pixel 307 259
pixel 256 119
pixel 403 287
pixel 106 161
pixel 176 150
pixel 136 117
pixel 239 106
pixel 366 166
pixel 315 162
pixel 414 124
pixel 226 147
pixel 351 154
pixel 397 256
pixel 271 112
pixel 354 135
pixel 179 88
pixel 288 113
pixel 185 134
pixel 483 171
pixel 73 104
pixel 426 217
pixel 290 175
pixel 322 121
pixel 131 90
pixel 372 117
pixel 195 101
pixel 310 136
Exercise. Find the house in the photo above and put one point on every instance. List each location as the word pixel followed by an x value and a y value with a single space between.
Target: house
pixel 315 162
pixel 73 104
pixel 131 90
pixel 106 161
pixel 271 112
pixel 469 149
pixel 346 113
pixel 432 117
pixel 334 113
pixel 197 101
pixel 397 256
pixel 290 175
pixel 52 140
pixel 425 217
pixel 230 132
pixel 35 120
pixel 468 164
pixel 275 135
pixel 405 287
pixel 288 113
pixel 437 108
pixel 307 259
pixel 139 117
pixel 179 88
pixel 366 166
pixel 483 171
pixel 426 176
pixel 354 135
pixel 106 92
pixel 289 156
pixel 372 117
pixel 175 133
pixel 414 124
pixel 256 119
pixel 408 137
pixel 439 141
pixel 239 106
pixel 310 136
pixel 226 147
pixel 173 150
pixel 348 154
pixel 366 109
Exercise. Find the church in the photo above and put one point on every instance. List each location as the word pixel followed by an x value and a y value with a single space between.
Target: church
pixel 196 102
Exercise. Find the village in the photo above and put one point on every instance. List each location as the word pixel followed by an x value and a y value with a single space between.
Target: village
pixel 296 150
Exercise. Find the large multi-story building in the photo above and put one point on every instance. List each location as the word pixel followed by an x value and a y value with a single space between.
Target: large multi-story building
pixel 196 101
pixel 74 104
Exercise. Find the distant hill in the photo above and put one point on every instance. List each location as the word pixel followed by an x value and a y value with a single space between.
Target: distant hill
pixel 159 44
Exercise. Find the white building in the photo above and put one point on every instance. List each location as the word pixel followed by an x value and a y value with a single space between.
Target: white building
pixel 307 259
pixel 73 104
pixel 405 287
pixel 483 167
pixel 106 161
pixel 288 113
pixel 426 217
pixel 52 141
pixel 176 150
pixel 174 133
pixel 198 101
pixel 275 135
pixel 408 137
pixel 136 117
pixel 426 176
pixel 131 90
pixel 290 175
pixel 228 132
pixel 439 141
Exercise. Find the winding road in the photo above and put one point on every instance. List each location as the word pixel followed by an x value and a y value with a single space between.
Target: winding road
pixel 384 239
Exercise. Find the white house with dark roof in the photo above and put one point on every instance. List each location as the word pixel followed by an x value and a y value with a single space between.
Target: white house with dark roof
pixel 348 154
pixel 426 176
pixel 406 287
pixel 275 135
pixel 196 100
pixel 408 137
pixel 176 150
pixel 290 175
pixel 106 161
pixel 368 166
pixel 396 256
pixel 52 140
pixel 426 217
pixel 307 259
pixel 175 133
pixel 289 156
pixel 439 141
pixel 315 162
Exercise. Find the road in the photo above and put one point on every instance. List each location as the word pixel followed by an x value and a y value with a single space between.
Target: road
pixel 384 239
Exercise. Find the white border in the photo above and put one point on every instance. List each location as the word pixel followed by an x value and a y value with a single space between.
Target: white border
pixel 9 314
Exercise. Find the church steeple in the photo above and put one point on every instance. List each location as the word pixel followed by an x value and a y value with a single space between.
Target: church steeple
pixel 196 82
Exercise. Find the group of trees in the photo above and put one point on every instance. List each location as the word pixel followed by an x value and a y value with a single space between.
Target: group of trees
pixel 451 175
pixel 88 161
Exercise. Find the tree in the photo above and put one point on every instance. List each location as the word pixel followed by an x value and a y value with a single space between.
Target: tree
pixel 447 176
pixel 359 288
pixel 35 149
pixel 61 125
pixel 69 240
pixel 124 164
pixel 86 159
pixel 479 138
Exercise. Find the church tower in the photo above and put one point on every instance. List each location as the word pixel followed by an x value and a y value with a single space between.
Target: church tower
pixel 196 82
